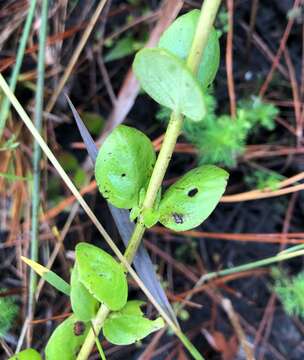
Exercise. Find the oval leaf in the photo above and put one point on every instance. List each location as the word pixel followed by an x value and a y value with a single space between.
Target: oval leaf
pixel 67 339
pixel 178 38
pixel 124 165
pixel 28 354
pixel 84 305
pixel 189 201
pixel 128 325
pixel 102 276
pixel 169 82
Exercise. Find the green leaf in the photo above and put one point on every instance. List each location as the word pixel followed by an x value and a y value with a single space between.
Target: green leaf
pixel 68 161
pixel 189 201
pixel 178 40
pixel 169 82
pixel 122 48
pixel 84 305
pixel 28 354
pixel 67 339
pixel 102 276
pixel 94 122
pixel 49 276
pixel 9 311
pixel 124 165
pixel 128 325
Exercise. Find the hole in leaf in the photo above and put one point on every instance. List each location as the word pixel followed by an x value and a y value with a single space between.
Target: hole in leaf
pixel 123 175
pixel 178 218
pixel 192 192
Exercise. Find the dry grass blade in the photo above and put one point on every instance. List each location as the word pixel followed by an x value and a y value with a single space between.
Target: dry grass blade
pixel 75 56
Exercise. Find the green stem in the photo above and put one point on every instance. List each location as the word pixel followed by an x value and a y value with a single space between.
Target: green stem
pixel 253 265
pixel 5 107
pixel 208 13
pixel 97 323
pixel 204 26
pixel 37 155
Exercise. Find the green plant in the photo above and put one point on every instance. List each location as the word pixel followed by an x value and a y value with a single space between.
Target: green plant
pixel 264 179
pixel 96 279
pixel 221 139
pixel 290 291
pixel 8 311
pixel 126 178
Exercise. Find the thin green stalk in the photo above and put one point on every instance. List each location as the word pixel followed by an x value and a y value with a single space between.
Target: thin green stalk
pixel 205 23
pixel 208 13
pixel 100 349
pixel 5 107
pixel 285 255
pixel 97 323
pixel 161 165
pixel 37 155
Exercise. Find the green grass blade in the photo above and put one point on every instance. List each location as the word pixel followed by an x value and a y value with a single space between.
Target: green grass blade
pixel 48 275
pixel 37 154
pixel 19 58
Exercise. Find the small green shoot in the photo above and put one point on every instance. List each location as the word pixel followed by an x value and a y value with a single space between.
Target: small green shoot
pixel 221 139
pixel 123 47
pixel 49 276
pixel 8 313
pixel 266 179
pixel 290 291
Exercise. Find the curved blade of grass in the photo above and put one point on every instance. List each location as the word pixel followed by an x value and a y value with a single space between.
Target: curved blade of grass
pixel 142 260
pixel 49 276
pixel 284 255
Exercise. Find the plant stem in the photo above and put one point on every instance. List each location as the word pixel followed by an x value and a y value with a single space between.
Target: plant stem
pixel 285 255
pixel 5 107
pixel 37 158
pixel 205 22
pixel 97 323
pixel 204 26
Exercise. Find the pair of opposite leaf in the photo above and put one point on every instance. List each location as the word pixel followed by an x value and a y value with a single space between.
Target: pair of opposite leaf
pixel 123 168
pixel 125 161
pixel 98 278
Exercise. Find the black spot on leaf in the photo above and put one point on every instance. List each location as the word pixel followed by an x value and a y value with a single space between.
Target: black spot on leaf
pixel 192 192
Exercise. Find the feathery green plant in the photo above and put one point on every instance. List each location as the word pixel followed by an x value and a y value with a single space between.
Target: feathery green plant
pixel 264 179
pixel 221 139
pixel 290 291
pixel 8 313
